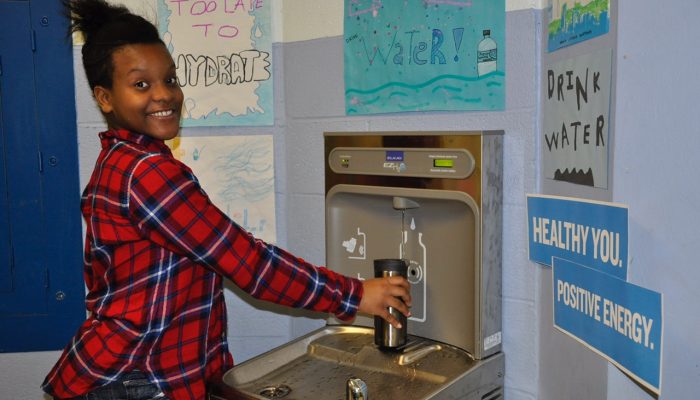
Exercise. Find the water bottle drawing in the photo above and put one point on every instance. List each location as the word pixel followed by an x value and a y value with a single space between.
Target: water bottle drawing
pixel 415 253
pixel 487 54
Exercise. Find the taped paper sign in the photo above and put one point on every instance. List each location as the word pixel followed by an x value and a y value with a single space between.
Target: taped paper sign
pixel 587 232
pixel 221 50
pixel 577 120
pixel 424 55
pixel 620 321
pixel 237 173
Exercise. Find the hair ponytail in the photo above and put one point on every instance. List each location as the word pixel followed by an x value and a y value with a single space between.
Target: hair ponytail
pixel 106 28
pixel 88 16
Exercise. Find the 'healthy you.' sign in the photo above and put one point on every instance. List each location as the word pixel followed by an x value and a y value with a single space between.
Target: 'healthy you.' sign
pixel 591 233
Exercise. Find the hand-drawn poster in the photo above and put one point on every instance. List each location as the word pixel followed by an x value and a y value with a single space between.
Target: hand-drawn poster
pixel 428 55
pixel 573 21
pixel 576 120
pixel 222 51
pixel 237 173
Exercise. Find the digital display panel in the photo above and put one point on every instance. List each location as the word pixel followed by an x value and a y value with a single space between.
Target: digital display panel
pixel 443 163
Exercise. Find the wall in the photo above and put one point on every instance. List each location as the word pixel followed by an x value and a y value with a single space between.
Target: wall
pixel 309 101
pixel 656 159
pixel 656 139
pixel 653 95
pixel 654 107
pixel 569 370
pixel 313 72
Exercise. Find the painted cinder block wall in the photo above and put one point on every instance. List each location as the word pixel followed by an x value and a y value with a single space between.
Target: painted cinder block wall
pixel 313 73
pixel 657 138
pixel 657 154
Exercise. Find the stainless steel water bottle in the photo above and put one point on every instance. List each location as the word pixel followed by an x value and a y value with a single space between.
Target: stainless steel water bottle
pixel 386 336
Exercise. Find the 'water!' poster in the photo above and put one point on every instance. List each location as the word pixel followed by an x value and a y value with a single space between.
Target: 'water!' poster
pixel 429 55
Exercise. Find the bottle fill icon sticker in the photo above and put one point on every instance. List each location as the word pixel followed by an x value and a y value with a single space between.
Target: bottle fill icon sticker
pixel 413 250
pixel 356 246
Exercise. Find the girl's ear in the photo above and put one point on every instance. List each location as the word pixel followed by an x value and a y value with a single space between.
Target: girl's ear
pixel 104 99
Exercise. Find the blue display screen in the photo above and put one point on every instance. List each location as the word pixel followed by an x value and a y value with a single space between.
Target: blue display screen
pixel 394 155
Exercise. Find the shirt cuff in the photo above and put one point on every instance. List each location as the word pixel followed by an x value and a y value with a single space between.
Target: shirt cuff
pixel 350 302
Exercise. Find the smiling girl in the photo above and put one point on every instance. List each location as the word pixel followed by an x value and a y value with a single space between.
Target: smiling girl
pixel 157 249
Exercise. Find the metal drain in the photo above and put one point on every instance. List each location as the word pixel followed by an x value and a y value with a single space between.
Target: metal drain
pixel 275 392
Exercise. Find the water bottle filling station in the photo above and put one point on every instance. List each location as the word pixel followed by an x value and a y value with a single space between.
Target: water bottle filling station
pixel 431 200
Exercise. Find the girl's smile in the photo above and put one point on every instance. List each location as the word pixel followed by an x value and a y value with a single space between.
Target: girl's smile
pixel 145 96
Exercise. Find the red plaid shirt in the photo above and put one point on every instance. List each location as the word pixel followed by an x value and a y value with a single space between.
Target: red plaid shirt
pixel 155 252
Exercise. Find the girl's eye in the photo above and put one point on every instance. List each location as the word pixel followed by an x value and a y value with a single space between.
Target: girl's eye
pixel 141 85
pixel 171 81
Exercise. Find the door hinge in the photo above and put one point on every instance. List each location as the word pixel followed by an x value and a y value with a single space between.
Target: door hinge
pixel 46 278
pixel 33 39
pixel 41 161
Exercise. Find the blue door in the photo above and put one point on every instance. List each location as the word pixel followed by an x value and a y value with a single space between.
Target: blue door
pixel 6 255
pixel 41 290
pixel 26 270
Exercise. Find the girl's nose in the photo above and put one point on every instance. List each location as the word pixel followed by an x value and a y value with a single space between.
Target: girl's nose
pixel 164 92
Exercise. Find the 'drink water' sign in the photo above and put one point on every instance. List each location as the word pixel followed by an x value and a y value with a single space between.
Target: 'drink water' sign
pixel 621 321
pixel 586 232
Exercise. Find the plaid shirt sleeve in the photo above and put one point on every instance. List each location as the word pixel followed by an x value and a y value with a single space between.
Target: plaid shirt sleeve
pixel 172 210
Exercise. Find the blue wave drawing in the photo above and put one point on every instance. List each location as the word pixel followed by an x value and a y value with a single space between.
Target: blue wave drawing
pixel 446 88
pixel 244 173
pixel 442 93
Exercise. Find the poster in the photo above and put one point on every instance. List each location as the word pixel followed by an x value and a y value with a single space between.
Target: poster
pixel 431 55
pixel 577 119
pixel 222 52
pixel 573 21
pixel 618 320
pixel 237 173
pixel 591 233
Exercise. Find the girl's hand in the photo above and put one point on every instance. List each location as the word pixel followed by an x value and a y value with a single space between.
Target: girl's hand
pixel 382 293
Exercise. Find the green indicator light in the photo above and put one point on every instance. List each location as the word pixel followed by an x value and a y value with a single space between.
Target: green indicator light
pixel 441 163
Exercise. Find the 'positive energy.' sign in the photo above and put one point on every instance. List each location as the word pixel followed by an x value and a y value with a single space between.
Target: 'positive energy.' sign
pixel 621 321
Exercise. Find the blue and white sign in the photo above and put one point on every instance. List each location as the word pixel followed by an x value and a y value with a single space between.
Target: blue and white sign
pixel 591 233
pixel 620 321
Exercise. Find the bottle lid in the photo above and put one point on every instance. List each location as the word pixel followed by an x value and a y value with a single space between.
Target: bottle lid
pixel 487 32
pixel 389 264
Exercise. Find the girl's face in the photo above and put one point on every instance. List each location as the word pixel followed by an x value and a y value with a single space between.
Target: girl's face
pixel 145 96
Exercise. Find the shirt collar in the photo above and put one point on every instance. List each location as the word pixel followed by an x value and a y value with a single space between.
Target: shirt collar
pixel 149 143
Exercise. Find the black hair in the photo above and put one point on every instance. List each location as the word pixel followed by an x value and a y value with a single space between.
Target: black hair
pixel 106 28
